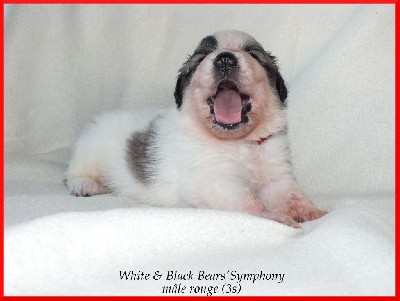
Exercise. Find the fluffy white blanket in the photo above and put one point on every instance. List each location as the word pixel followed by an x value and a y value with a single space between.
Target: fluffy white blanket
pixel 65 63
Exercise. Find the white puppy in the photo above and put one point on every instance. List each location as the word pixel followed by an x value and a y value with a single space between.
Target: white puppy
pixel 223 147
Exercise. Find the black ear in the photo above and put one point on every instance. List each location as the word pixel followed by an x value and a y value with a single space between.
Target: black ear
pixel 281 87
pixel 183 81
pixel 206 46
pixel 179 89
pixel 272 69
pixel 270 65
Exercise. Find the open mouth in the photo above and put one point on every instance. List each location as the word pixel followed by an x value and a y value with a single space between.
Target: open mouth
pixel 229 106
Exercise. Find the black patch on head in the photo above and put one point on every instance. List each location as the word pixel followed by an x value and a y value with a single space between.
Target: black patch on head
pixel 206 46
pixel 140 154
pixel 268 62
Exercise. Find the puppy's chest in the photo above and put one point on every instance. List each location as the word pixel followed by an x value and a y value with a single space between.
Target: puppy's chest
pixel 247 162
pixel 253 163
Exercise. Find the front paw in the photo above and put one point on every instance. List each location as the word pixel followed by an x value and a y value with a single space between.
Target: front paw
pixel 280 218
pixel 85 187
pixel 301 209
pixel 284 219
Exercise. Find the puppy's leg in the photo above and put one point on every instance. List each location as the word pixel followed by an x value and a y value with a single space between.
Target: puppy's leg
pixel 229 194
pixel 84 174
pixel 286 198
pixel 83 177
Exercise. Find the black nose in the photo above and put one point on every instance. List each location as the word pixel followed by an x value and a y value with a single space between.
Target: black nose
pixel 225 61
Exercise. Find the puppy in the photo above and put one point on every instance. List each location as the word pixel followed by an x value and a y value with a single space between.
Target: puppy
pixel 224 147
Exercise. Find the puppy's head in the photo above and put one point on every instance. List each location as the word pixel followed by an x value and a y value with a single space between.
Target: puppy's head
pixel 231 87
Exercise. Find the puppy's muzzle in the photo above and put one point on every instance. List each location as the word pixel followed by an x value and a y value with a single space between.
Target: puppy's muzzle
pixel 226 63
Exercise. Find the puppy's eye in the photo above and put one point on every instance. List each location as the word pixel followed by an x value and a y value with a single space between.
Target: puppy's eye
pixel 258 55
pixel 254 55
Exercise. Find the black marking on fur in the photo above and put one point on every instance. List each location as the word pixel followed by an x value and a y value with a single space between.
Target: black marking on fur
pixel 140 154
pixel 282 132
pixel 269 63
pixel 248 107
pixel 206 46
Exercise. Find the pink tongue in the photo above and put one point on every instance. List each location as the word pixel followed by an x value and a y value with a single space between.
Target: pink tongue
pixel 228 107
